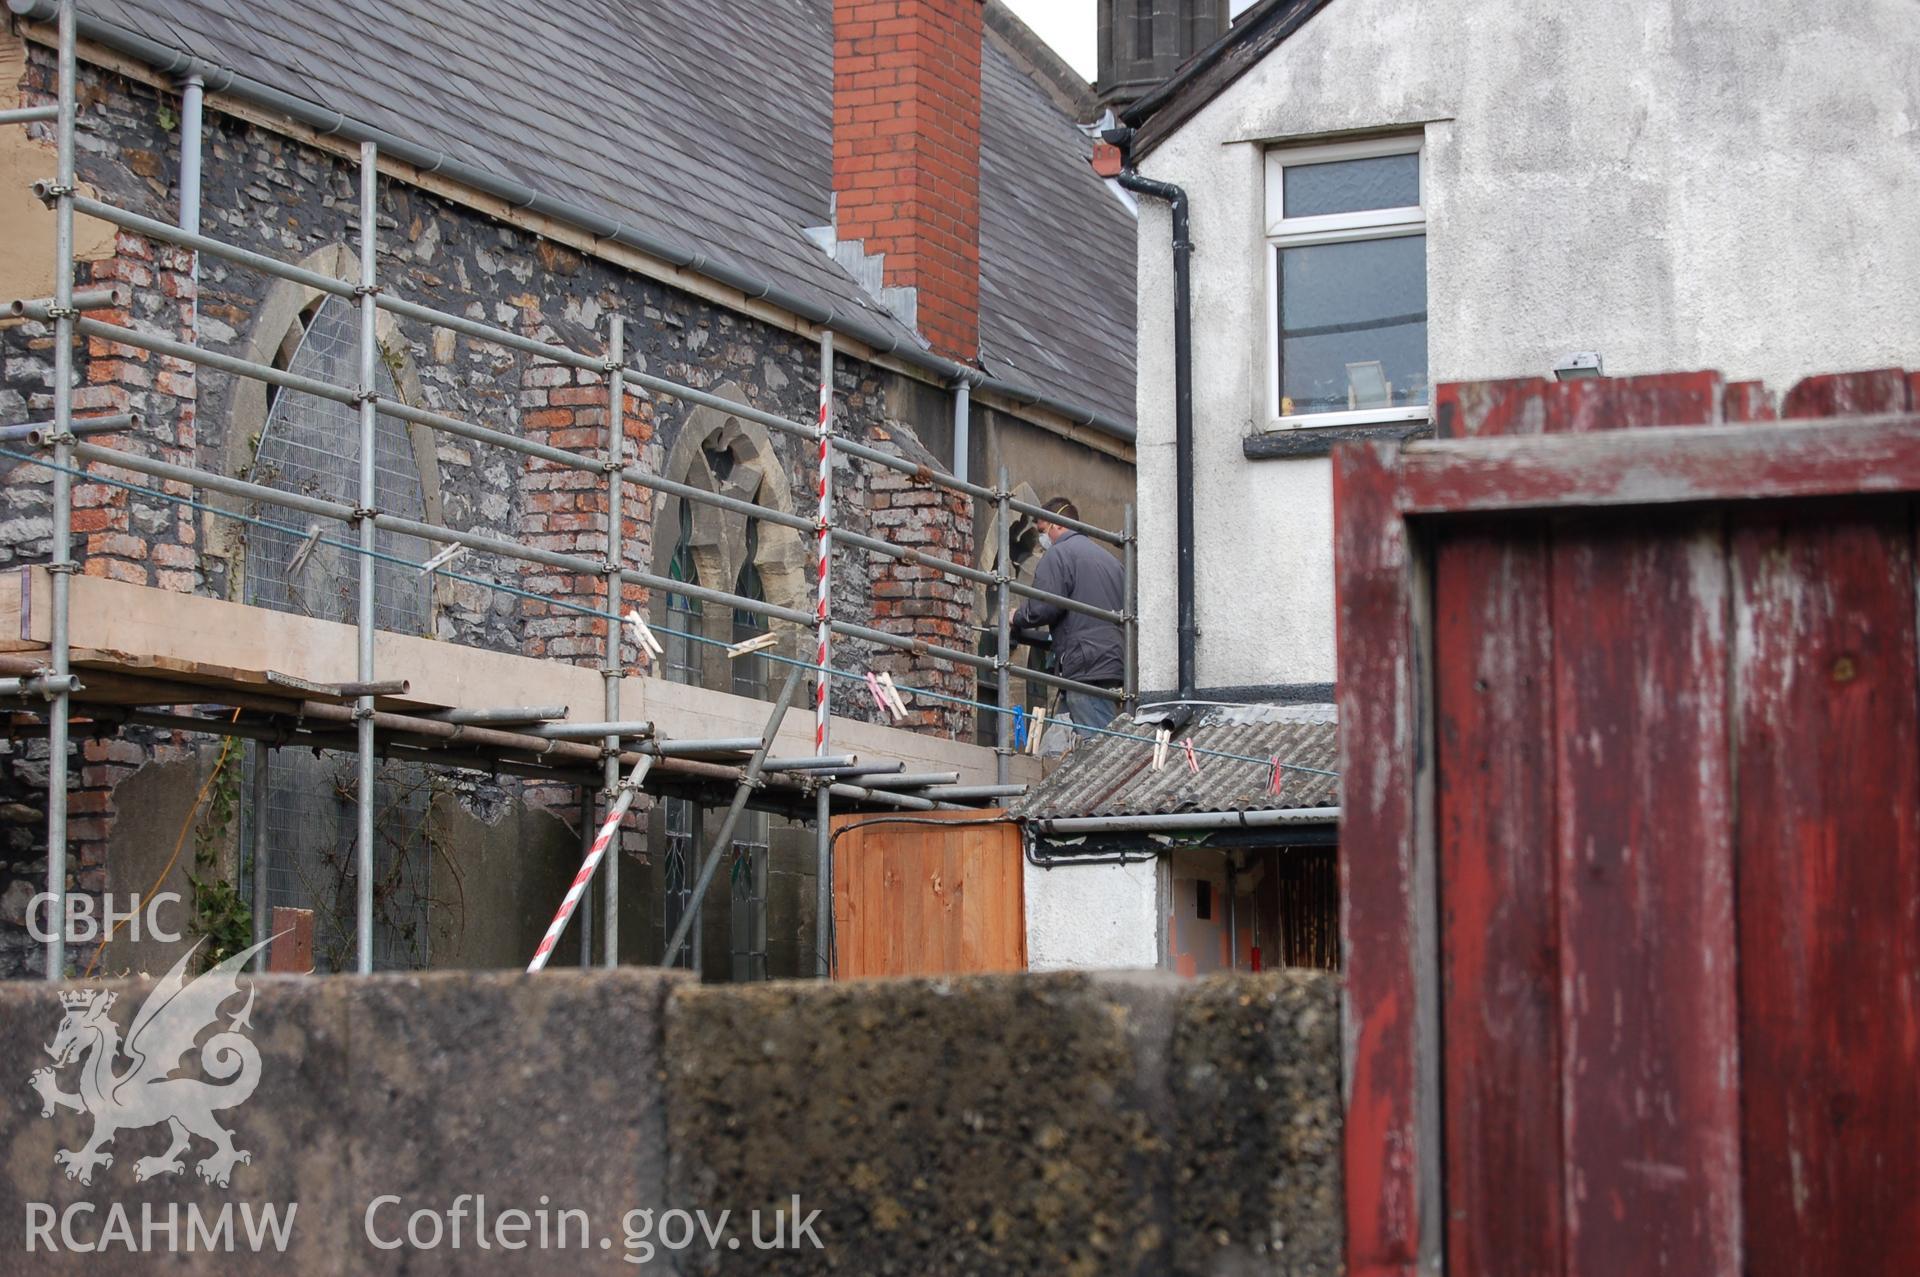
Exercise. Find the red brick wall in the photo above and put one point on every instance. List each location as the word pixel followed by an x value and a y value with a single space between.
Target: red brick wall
pixel 906 153
pixel 565 510
pixel 117 533
pixel 921 603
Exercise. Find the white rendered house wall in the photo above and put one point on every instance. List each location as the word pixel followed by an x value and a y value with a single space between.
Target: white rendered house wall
pixel 1729 186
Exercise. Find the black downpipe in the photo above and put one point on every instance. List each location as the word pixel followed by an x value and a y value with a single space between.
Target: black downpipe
pixel 1176 199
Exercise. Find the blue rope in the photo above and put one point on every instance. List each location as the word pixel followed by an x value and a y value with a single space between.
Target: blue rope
pixel 1019 712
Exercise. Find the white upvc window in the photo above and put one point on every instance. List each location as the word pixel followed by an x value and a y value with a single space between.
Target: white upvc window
pixel 1346 262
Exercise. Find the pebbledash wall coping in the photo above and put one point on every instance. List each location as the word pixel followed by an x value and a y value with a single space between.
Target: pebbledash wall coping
pixel 603 1121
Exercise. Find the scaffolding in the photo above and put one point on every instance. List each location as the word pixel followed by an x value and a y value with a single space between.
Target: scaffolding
pixel 361 716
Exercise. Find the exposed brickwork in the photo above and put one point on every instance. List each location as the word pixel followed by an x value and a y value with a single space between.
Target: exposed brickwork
pixel 117 533
pixel 921 603
pixel 906 152
pixel 565 511
pixel 272 195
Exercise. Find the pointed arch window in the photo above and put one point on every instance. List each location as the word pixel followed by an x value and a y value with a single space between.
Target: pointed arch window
pixel 311 446
pixel 750 672
pixel 747 874
pixel 682 663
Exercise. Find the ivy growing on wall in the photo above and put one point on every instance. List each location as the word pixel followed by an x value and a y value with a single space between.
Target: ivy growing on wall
pixel 220 916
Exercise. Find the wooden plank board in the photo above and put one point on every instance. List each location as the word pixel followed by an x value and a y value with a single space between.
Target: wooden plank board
pixel 1542 405
pixel 1829 765
pixel 1877 390
pixel 16 601
pixel 1493 706
pixel 931 893
pixel 1643 794
pixel 189 639
pixel 1662 466
pixel 1384 1153
pixel 998 876
pixel 1702 1047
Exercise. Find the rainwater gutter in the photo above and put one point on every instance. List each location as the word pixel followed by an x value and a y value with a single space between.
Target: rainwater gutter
pixel 1182 821
pixel 1176 199
pixel 328 123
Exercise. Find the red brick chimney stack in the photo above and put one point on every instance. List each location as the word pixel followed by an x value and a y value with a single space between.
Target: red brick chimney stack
pixel 906 153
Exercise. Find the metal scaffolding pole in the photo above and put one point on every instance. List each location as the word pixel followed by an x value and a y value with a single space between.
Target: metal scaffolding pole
pixel 62 565
pixel 586 849
pixel 364 518
pixel 1003 727
pixel 498 545
pixel 920 473
pixel 63 313
pixel 610 670
pixel 273 266
pixel 1093 530
pixel 749 781
pixel 823 681
pixel 1130 605
pixel 262 776
pixel 623 792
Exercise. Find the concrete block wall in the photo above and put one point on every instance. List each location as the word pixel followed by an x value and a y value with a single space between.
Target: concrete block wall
pixel 1073 1124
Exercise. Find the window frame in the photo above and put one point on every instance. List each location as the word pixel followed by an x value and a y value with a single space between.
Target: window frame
pixel 1281 232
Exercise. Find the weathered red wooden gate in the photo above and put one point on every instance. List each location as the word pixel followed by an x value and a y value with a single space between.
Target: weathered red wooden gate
pixel 1631 763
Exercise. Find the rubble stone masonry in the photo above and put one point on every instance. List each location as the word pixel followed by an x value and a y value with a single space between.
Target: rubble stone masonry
pixel 274 195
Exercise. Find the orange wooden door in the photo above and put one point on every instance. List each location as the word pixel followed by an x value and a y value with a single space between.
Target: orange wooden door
pixel 943 895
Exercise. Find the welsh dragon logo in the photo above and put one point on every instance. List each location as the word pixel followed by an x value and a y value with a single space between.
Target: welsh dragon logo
pixel 145 1091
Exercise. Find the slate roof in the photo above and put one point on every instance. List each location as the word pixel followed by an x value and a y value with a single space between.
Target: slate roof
pixel 1049 322
pixel 1111 776
pixel 708 125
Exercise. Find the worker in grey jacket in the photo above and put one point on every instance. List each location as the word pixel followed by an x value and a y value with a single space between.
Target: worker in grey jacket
pixel 1085 648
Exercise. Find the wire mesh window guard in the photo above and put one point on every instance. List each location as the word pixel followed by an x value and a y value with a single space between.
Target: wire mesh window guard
pixel 747 906
pixel 1023 555
pixel 749 672
pixel 747 912
pixel 682 662
pixel 310 446
pixel 682 819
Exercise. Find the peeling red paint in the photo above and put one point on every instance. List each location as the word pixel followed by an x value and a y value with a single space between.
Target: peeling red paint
pixel 1674 809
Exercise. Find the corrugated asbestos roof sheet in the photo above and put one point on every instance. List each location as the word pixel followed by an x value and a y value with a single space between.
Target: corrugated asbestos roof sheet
pixel 1109 776
pixel 709 126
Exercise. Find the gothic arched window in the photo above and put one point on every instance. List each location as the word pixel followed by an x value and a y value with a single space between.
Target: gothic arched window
pixel 754 560
pixel 311 446
pixel 682 662
pixel 750 672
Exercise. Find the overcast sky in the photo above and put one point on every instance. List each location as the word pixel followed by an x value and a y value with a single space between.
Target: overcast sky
pixel 1067 25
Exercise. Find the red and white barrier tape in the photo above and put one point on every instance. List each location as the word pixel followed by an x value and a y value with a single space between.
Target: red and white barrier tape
pixel 821 620
pixel 595 854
